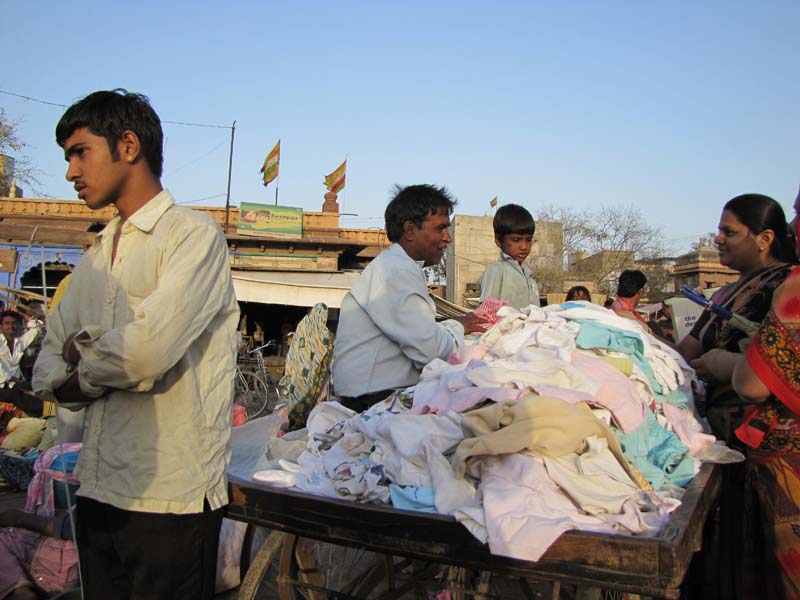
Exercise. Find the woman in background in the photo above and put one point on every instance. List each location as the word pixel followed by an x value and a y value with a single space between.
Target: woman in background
pixel 579 292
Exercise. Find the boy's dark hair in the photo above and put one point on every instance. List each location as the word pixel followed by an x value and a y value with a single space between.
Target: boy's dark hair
pixel 513 218
pixel 11 313
pixel 415 203
pixel 630 282
pixel 110 113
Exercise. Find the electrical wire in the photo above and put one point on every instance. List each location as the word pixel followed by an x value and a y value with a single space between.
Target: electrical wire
pixel 162 120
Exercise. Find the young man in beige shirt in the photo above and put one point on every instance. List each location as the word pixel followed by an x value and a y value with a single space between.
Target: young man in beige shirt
pixel 145 339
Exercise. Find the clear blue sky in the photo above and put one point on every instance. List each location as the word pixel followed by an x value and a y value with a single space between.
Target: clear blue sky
pixel 674 107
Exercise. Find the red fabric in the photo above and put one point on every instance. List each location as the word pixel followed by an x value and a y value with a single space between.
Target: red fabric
pixel 774 356
pixel 621 305
pixel 239 415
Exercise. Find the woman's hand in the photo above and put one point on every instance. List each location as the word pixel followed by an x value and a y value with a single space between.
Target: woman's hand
pixel 702 371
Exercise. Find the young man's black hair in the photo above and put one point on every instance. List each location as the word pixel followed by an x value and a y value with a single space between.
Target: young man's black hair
pixel 513 218
pixel 630 282
pixel 415 203
pixel 110 113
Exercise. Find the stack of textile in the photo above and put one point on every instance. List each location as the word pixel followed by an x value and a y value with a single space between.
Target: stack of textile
pixel 567 417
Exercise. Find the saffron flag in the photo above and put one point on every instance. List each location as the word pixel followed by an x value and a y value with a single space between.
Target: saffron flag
pixel 493 202
pixel 335 181
pixel 270 166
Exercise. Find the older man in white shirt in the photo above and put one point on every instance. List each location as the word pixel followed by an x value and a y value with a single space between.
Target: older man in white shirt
pixel 387 328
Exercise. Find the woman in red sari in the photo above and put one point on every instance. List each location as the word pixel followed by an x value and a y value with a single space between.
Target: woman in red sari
pixel 769 377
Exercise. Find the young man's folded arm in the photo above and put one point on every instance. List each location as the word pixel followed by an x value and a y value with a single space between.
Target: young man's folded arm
pixel 193 285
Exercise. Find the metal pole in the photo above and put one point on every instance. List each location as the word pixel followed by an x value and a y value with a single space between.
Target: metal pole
pixel 230 168
pixel 44 281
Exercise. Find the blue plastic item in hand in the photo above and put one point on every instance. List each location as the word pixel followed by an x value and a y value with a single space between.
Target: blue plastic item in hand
pixel 705 303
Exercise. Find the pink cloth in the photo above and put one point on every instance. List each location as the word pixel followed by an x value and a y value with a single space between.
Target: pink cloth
pixel 616 392
pixel 40 490
pixel 29 558
pixel 488 311
pixel 697 441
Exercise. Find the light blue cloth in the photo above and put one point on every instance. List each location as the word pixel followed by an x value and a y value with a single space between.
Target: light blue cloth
pixel 70 459
pixel 420 499
pixel 677 397
pixel 507 280
pixel 387 328
pixel 598 335
pixel 657 453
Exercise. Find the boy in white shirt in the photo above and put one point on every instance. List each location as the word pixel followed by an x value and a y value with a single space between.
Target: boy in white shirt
pixel 509 279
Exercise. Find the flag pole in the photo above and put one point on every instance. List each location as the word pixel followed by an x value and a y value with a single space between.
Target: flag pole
pixel 230 168
pixel 344 195
pixel 277 183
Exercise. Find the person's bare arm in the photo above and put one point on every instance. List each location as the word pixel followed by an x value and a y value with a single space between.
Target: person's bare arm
pixel 690 348
pixel 18 518
pixel 748 385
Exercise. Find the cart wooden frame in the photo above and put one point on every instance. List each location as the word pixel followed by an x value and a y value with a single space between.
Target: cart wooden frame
pixel 653 566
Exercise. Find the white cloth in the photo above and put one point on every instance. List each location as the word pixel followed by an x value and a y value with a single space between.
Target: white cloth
pixel 525 511
pixel 663 360
pixel 598 485
pixel 387 329
pixel 401 441
pixel 157 336
pixel 552 372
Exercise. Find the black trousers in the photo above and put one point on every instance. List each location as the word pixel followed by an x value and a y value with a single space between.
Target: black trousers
pixel 29 404
pixel 363 402
pixel 146 556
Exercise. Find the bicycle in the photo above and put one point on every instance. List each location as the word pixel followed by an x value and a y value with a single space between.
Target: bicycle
pixel 256 390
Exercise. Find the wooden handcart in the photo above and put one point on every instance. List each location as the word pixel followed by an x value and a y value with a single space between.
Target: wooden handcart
pixel 653 566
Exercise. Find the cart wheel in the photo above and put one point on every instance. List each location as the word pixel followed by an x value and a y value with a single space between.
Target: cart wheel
pixel 259 566
pixel 465 584
pixel 295 568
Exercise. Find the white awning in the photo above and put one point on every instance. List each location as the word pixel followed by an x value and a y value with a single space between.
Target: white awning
pixel 293 289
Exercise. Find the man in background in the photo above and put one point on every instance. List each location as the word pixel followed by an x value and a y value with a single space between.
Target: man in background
pixel 630 290
pixel 14 340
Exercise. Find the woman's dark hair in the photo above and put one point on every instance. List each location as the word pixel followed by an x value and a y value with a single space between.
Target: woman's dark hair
pixel 572 294
pixel 758 212
pixel 415 203
pixel 109 114
pixel 513 218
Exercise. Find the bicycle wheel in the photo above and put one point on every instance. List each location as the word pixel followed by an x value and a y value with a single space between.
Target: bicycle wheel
pixel 251 392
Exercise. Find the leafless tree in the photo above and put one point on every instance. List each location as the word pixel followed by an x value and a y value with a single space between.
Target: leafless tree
pixel 11 145
pixel 613 237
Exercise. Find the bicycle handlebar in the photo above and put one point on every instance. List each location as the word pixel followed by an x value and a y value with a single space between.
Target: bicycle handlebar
pixel 254 350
